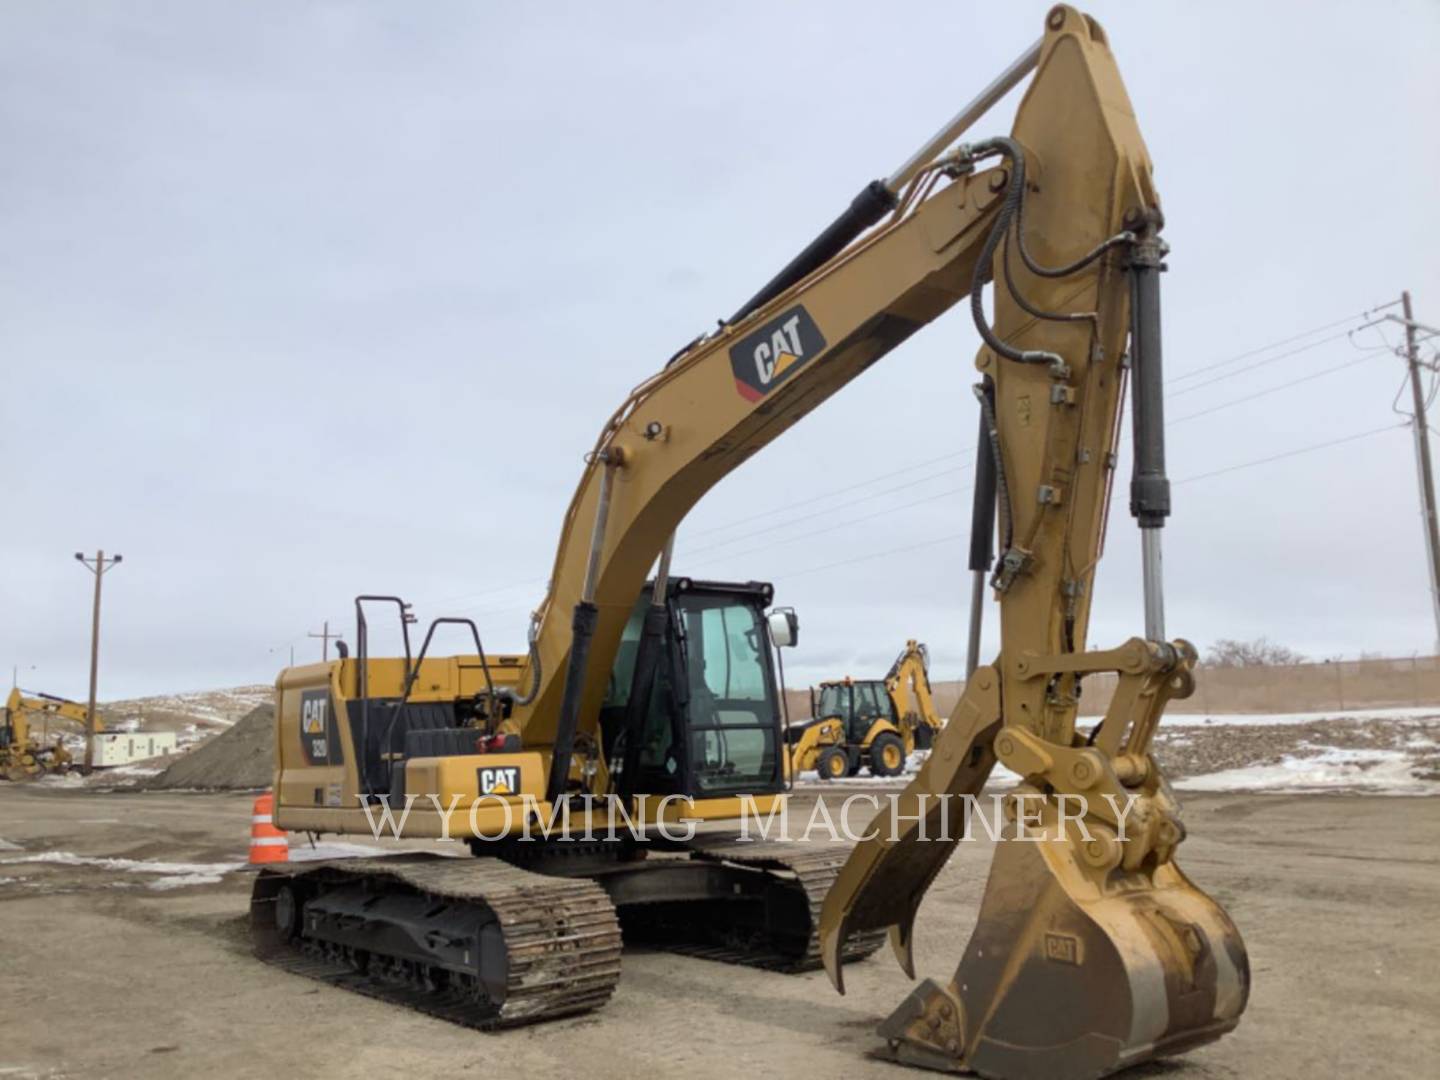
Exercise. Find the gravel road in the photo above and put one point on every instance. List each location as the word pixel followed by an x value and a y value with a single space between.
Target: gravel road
pixel 116 968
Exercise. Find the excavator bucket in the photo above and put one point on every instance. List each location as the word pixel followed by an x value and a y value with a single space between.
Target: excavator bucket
pixel 1078 966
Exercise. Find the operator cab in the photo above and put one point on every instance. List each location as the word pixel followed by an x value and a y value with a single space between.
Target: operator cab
pixel 713 728
pixel 856 703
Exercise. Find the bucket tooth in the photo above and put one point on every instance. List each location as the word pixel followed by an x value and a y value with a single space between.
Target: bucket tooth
pixel 927 1029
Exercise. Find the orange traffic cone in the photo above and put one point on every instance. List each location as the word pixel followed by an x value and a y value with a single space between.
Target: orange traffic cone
pixel 267 843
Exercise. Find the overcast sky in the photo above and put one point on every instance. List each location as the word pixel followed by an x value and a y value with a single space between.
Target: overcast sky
pixel 301 300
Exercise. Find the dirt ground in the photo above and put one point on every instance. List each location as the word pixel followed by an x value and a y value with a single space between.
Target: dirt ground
pixel 106 976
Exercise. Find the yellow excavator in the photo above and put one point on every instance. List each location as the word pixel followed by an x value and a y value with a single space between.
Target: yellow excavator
pixel 872 723
pixel 22 755
pixel 653 696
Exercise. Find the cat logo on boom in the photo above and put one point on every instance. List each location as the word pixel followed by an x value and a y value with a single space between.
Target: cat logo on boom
pixel 762 360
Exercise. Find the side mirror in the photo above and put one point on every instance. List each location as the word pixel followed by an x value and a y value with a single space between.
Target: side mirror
pixel 784 627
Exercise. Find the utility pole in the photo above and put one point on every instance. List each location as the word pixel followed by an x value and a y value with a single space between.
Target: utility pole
pixel 98 566
pixel 1423 465
pixel 325 635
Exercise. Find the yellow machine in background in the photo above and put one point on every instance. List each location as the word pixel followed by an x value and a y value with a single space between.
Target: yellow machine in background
pixel 22 754
pixel 653 695
pixel 820 745
pixel 871 723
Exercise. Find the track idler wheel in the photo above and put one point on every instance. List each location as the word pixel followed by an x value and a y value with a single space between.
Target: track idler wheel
pixel 287 913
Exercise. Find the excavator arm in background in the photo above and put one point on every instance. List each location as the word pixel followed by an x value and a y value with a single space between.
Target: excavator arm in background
pixel 21 756
pixel 908 684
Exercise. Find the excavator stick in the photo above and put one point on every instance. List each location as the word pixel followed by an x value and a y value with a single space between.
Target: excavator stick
pixel 1092 951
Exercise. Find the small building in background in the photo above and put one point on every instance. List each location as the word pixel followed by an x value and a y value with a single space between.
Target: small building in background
pixel 126 747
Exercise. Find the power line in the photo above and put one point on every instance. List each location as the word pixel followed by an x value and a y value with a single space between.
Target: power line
pixel 754 517
pixel 878 555
pixel 1187 480
pixel 325 635
pixel 1258 364
pixel 837 491
pixel 1198 371
pixel 1280 386
pixel 854 521
pixel 832 508
pixel 1223 363
pixel 954 491
pixel 1266 348
pixel 811 500
pixel 1292 453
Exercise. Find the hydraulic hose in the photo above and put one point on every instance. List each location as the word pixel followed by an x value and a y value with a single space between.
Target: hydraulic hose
pixel 1069 268
pixel 535 672
pixel 1027 306
pixel 985 264
pixel 1002 487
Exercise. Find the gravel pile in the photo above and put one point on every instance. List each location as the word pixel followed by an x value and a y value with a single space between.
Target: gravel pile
pixel 241 758
pixel 1191 751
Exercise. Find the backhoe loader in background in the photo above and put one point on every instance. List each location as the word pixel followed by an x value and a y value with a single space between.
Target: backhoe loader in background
pixel 1090 954
pixel 871 723
pixel 23 756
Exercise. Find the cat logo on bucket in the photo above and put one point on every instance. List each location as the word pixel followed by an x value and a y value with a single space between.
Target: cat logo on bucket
pixel 1062 948
pixel 762 360
pixel 502 780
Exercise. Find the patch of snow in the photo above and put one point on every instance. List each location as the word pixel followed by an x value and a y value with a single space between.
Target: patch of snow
pixel 1193 720
pixel 1379 772
pixel 6 845
pixel 180 881
pixel 172 875
pixel 137 769
pixel 331 849
pixel 70 779
pixel 179 875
